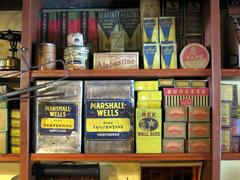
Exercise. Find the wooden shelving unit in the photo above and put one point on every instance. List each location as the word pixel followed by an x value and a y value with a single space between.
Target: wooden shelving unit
pixel 230 156
pixel 9 157
pixel 122 157
pixel 230 73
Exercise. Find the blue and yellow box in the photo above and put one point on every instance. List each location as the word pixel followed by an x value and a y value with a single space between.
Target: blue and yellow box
pixel 150 30
pixel 167 30
pixel 168 56
pixel 151 56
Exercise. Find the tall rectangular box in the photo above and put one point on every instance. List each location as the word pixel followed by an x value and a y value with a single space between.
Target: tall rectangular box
pixel 109 116
pixel 148 130
pixel 58 119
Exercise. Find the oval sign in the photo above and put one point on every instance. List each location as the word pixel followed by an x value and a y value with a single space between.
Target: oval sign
pixel 148 124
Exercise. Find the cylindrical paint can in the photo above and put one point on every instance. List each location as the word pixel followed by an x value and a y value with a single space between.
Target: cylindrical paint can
pixel 76 57
pixel 46 56
pixel 75 39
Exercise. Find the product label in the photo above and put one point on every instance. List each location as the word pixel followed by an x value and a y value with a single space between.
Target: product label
pixel 57 118
pixel 108 119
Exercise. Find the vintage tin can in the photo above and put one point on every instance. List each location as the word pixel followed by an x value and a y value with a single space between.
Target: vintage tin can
pixel 15 141
pixel 117 41
pixel 15 113
pixel 76 57
pixel 225 140
pixel 3 119
pixel 199 145
pixel 198 114
pixel 15 149
pixel 149 104
pixel 116 60
pixel 10 63
pixel 146 85
pixel 166 82
pixel 46 56
pixel 167 30
pixel 176 114
pixel 3 142
pixel 182 83
pixel 148 130
pixel 235 127
pixel 15 132
pixel 168 56
pixel 235 144
pixel 198 130
pixel 198 83
pixel 150 30
pixel 225 113
pixel 149 95
pixel 194 55
pixel 75 39
pixel 151 56
pixel 175 130
pixel 173 145
pixel 15 123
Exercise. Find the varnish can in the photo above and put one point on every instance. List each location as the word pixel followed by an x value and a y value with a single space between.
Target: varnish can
pixel 46 56
pixel 76 57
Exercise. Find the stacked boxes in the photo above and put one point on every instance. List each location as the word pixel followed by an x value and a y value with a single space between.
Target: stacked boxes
pixel 187 104
pixel 148 117
pixel 109 116
pixel 15 130
pixel 58 125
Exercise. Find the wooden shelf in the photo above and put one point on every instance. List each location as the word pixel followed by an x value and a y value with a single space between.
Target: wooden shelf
pixel 230 156
pixel 231 73
pixel 121 157
pixel 9 158
pixel 9 74
pixel 136 73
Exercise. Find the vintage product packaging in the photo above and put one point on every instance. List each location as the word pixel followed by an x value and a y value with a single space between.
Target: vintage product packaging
pixel 149 104
pixel 167 30
pixel 109 116
pixel 14 113
pixel 149 95
pixel 15 149
pixel 176 114
pixel 193 18
pixel 173 8
pixel 173 145
pixel 150 30
pixel 58 119
pixel 3 142
pixel 166 82
pixel 116 60
pixel 235 144
pixel 15 123
pixel 146 85
pixel 198 130
pixel 235 127
pixel 198 83
pixel 186 96
pixel 15 132
pixel 196 38
pixel 225 113
pixel 198 114
pixel 3 119
pixel 107 23
pixel 151 56
pixel 148 130
pixel 129 20
pixel 168 56
pixel 226 92
pixel 15 141
pixel 182 83
pixel 199 145
pixel 117 41
pixel 225 140
pixel 175 130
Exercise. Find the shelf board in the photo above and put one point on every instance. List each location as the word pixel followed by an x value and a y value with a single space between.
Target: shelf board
pixel 231 73
pixel 121 157
pixel 9 157
pixel 9 74
pixel 116 73
pixel 230 156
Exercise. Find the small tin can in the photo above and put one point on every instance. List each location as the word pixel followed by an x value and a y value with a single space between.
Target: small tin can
pixel 75 39
pixel 76 57
pixel 46 56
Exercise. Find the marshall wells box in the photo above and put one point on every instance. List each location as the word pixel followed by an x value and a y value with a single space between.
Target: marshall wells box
pixel 109 116
pixel 107 23
pixel 177 114
pixel 198 130
pixel 116 60
pixel 148 130
pixel 198 114
pixel 151 56
pixel 186 96
pixel 58 122
pixel 175 130
pixel 173 145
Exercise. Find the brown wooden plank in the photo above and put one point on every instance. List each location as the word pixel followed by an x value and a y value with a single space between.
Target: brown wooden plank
pixel 9 157
pixel 230 156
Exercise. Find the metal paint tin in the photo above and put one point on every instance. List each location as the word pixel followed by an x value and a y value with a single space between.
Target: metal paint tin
pixel 10 63
pixel 75 39
pixel 46 56
pixel 76 57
